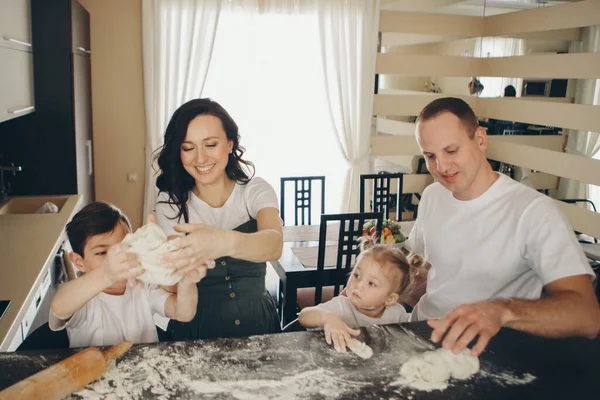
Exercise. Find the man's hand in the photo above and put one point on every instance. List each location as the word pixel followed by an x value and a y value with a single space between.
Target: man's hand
pixel 462 324
pixel 338 333
pixel 118 264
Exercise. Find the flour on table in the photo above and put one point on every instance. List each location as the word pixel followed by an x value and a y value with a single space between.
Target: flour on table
pixel 203 370
pixel 360 349
pixel 149 242
pixel 439 365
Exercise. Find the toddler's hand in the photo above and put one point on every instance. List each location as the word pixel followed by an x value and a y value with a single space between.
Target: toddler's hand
pixel 338 332
pixel 118 264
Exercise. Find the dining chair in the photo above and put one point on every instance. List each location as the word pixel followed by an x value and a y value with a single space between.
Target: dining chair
pixel 584 201
pixel 303 197
pixel 382 199
pixel 350 229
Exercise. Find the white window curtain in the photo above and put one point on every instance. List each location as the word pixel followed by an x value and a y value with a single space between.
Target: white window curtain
pixel 296 75
pixel 348 34
pixel 177 43
pixel 266 71
pixel 498 47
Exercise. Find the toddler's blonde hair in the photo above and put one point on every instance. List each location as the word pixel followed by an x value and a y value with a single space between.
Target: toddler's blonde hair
pixel 399 257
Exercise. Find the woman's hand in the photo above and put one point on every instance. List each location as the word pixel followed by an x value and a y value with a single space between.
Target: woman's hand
pixel 338 333
pixel 197 250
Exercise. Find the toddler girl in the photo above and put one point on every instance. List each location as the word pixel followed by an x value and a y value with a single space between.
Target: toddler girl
pixel 380 277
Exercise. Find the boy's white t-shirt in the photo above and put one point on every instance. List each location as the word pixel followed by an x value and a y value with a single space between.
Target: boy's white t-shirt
pixel 244 203
pixel 343 308
pixel 509 242
pixel 109 319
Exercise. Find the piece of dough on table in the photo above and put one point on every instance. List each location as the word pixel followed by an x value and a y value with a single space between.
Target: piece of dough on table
pixel 440 365
pixel 359 348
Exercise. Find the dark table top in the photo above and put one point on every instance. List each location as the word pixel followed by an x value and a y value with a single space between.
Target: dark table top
pixel 301 365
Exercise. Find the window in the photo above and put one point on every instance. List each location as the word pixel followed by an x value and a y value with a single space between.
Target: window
pixel 498 47
pixel 266 71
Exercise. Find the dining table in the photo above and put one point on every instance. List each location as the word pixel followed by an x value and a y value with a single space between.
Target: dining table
pixel 300 365
pixel 297 266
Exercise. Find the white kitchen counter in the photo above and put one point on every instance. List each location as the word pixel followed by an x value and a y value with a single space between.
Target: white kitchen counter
pixel 28 244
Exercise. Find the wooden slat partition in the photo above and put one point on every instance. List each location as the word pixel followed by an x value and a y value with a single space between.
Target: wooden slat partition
pixel 541 153
pixel 407 39
pixel 548 66
pixel 581 220
pixel 573 116
pixel 558 34
pixel 430 24
pixel 416 183
pixel 562 19
pixel 582 169
pixel 542 66
pixel 542 180
pixel 395 127
pixel 563 16
pixel 427 65
pixel 391 104
pixel 418 5
pixel 389 145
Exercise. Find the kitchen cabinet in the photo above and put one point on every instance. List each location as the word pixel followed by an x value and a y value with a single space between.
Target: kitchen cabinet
pixel 15 23
pixel 16 60
pixel 54 145
pixel 31 249
pixel 16 341
pixel 37 310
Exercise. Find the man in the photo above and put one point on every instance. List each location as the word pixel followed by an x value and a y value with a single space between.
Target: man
pixel 493 244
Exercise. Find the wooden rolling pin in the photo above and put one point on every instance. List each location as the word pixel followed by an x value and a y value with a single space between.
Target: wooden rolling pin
pixel 70 375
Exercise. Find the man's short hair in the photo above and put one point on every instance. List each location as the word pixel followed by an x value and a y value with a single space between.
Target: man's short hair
pixel 94 219
pixel 454 106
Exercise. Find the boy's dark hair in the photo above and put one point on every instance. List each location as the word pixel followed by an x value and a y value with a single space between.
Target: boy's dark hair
pixel 455 106
pixel 94 219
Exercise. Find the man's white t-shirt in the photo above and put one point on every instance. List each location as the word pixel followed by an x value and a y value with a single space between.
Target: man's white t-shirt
pixel 244 203
pixel 108 319
pixel 343 308
pixel 509 242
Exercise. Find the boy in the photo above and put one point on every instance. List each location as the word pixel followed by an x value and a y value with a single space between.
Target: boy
pixel 106 305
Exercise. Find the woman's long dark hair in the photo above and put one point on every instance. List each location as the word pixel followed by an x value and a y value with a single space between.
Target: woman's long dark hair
pixel 173 178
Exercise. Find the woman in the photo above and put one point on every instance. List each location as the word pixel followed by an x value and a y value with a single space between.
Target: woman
pixel 230 217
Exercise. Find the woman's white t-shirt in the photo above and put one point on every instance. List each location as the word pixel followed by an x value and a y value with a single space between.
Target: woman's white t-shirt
pixel 244 203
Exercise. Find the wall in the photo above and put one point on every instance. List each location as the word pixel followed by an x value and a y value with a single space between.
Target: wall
pixel 118 103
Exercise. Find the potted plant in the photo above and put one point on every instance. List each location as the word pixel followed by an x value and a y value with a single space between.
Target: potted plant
pixel 390 233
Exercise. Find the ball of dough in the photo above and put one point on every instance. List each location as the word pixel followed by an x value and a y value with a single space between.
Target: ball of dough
pixel 359 348
pixel 440 365
pixel 149 242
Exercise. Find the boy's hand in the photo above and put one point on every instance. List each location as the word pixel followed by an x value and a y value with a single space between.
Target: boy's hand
pixel 338 332
pixel 195 274
pixel 118 264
